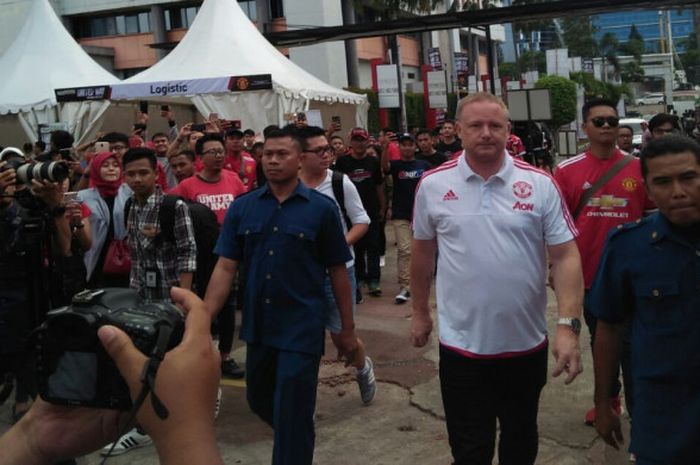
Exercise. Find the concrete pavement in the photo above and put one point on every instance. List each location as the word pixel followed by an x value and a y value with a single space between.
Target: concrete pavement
pixel 405 424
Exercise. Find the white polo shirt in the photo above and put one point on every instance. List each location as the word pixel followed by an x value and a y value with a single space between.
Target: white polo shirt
pixel 491 276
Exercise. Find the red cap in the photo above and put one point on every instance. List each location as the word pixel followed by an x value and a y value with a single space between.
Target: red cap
pixel 359 133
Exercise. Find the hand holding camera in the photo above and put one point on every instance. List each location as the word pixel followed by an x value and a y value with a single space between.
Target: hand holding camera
pixel 186 383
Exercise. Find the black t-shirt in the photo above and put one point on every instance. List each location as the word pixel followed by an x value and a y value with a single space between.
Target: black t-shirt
pixel 406 175
pixel 449 149
pixel 366 174
pixel 436 159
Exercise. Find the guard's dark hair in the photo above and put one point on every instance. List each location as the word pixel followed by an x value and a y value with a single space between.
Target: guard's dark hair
pixel 596 102
pixel 289 130
pixel 208 137
pixel 269 129
pixel 662 118
pixel 140 153
pixel 669 145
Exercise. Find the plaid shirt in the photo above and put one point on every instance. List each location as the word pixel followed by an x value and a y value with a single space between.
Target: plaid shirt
pixel 151 252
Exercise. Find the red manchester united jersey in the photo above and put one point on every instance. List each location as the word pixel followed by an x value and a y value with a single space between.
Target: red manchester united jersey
pixel 621 200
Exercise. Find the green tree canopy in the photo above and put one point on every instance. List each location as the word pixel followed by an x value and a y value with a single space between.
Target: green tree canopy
pixel 563 98
pixel 579 36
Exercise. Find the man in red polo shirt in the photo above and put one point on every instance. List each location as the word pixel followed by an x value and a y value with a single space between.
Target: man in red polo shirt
pixel 238 160
pixel 621 199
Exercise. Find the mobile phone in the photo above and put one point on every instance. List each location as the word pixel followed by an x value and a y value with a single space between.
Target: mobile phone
pixel 70 197
pixel 139 127
pixel 165 108
pixel 336 121
pixel 101 147
pixel 199 127
pixel 236 123
pixel 143 106
pixel 213 116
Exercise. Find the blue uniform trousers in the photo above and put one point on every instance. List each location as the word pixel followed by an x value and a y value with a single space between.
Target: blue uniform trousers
pixel 281 390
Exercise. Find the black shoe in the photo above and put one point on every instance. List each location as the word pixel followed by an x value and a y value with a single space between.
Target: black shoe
pixel 230 369
pixel 358 296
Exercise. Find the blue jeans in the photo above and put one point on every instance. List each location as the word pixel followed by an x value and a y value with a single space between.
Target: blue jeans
pixel 332 313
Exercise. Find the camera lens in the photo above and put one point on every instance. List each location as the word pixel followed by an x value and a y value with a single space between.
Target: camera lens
pixel 54 171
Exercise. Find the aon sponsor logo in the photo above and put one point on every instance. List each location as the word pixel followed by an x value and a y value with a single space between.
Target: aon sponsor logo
pixel 523 207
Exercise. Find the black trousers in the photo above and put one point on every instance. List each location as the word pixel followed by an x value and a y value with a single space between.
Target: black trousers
pixel 367 255
pixel 476 392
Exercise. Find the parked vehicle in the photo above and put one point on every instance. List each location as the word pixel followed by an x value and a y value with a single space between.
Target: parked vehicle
pixel 651 98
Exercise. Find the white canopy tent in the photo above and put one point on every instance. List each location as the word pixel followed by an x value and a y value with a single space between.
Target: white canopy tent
pixel 43 57
pixel 222 42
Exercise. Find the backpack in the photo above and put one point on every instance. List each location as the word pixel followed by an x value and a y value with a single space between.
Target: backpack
pixel 206 234
pixel 339 194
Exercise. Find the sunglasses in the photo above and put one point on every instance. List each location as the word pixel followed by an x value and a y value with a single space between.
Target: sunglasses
pixel 599 121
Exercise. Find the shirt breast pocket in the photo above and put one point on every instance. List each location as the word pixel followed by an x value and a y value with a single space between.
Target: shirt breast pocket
pixel 658 307
pixel 249 236
pixel 299 240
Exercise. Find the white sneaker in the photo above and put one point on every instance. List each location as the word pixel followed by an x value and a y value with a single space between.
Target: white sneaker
pixel 131 440
pixel 217 406
pixel 367 382
pixel 402 297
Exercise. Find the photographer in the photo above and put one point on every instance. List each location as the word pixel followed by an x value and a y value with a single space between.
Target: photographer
pixel 187 382
pixel 32 222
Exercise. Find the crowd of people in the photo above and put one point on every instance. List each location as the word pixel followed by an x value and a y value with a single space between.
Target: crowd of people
pixel 288 226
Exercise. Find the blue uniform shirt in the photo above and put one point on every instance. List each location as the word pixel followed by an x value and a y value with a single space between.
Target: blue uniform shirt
pixel 651 273
pixel 284 250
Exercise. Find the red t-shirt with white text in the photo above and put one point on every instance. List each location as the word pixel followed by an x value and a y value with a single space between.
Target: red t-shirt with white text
pixel 249 174
pixel 215 195
pixel 621 200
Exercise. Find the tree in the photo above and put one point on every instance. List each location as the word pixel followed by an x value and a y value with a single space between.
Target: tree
pixel 634 45
pixel 579 36
pixel 532 61
pixel 632 72
pixel 609 47
pixel 690 59
pixel 563 98
pixel 595 88
pixel 509 69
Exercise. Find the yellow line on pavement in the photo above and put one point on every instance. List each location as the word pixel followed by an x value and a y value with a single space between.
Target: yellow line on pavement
pixel 239 383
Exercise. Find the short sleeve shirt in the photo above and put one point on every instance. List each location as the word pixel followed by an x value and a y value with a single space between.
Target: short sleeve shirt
pixel 620 200
pixel 285 250
pixel 406 175
pixel 366 174
pixel 491 236
pixel 217 196
pixel 650 273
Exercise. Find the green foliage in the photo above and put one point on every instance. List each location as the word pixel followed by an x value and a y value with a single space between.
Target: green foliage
pixel 691 58
pixel 579 36
pixel 532 61
pixel 509 69
pixel 563 98
pixel 415 114
pixel 418 6
pixel 594 88
pixel 632 72
pixel 634 45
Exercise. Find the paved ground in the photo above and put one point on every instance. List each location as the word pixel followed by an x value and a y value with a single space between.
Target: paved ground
pixel 405 425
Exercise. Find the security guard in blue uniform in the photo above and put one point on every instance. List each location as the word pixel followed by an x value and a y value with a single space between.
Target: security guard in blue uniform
pixel 650 272
pixel 283 237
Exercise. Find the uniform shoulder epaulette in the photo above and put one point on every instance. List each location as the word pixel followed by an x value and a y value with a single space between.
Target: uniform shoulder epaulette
pixel 632 225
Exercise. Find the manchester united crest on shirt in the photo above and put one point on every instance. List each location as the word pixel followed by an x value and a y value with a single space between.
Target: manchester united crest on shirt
pixel 630 184
pixel 522 189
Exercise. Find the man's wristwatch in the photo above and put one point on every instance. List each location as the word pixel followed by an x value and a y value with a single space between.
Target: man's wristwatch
pixel 573 323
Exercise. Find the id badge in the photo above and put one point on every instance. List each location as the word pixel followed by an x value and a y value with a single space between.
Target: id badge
pixel 151 278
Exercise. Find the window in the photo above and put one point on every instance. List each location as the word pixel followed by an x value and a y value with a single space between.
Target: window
pixel 250 8
pixel 180 17
pixel 134 23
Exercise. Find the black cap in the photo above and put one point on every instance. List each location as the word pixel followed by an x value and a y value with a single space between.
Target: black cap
pixel 406 136
pixel 234 132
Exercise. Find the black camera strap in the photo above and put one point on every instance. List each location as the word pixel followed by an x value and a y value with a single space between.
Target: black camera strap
pixel 148 384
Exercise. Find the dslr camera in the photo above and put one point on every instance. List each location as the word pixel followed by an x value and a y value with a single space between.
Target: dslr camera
pixel 72 366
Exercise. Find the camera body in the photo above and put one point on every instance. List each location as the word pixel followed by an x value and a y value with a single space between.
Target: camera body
pixel 73 367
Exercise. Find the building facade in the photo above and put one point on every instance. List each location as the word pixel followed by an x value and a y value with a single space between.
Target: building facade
pixel 655 27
